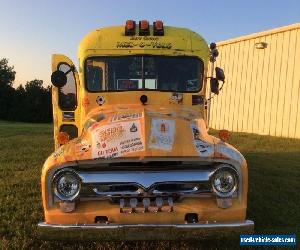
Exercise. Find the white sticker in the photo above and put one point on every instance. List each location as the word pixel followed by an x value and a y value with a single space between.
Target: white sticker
pixel 115 140
pixel 176 98
pixel 162 134
pixel 126 116
pixel 82 147
pixel 203 148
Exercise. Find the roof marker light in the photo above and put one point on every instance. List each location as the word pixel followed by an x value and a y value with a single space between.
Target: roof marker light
pixel 158 28
pixel 130 28
pixel 144 29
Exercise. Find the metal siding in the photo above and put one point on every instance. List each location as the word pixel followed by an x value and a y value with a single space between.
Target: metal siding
pixel 262 89
pixel 296 82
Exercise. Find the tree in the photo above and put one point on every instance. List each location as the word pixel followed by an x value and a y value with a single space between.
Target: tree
pixel 7 76
pixel 31 103
pixel 7 73
pixel 37 102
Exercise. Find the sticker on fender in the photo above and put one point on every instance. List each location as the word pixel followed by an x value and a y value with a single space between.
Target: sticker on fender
pixel 117 139
pixel 162 134
pixel 203 148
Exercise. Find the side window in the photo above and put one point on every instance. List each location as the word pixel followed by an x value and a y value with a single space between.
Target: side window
pixel 94 76
pixel 67 97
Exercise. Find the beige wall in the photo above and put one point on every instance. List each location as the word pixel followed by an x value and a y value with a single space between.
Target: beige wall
pixel 262 89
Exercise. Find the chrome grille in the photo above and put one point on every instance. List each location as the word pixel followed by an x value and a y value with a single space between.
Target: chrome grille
pixel 144 184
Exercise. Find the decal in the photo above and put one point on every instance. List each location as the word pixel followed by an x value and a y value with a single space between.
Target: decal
pixel 197 99
pixel 83 147
pixel 85 102
pixel 196 132
pixel 176 98
pixel 58 152
pixel 68 116
pixel 162 134
pixel 100 100
pixel 145 38
pixel 117 139
pixel 133 128
pixel 145 44
pixel 203 148
pixel 126 116
pixel 112 132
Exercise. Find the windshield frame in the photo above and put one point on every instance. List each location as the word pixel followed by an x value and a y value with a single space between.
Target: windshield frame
pixel 201 83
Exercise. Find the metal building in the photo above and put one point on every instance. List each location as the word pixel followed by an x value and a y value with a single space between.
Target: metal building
pixel 262 89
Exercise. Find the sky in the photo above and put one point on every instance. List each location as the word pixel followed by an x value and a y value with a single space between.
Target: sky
pixel 32 30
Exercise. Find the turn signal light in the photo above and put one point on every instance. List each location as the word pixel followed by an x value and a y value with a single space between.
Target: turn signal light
pixel 130 28
pixel 62 138
pixel 224 135
pixel 144 29
pixel 158 28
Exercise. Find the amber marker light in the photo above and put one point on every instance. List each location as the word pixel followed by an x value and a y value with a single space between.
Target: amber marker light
pixel 62 138
pixel 158 28
pixel 130 28
pixel 144 28
pixel 224 135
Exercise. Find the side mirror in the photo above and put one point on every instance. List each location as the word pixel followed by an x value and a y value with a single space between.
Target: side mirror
pixel 58 78
pixel 214 85
pixel 220 74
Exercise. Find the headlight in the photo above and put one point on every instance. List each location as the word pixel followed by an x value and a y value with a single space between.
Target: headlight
pixel 224 181
pixel 66 185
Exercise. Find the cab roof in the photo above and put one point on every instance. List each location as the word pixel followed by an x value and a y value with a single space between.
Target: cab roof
pixel 112 41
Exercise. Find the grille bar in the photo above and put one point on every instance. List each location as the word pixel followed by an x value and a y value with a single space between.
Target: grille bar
pixel 144 178
pixel 144 184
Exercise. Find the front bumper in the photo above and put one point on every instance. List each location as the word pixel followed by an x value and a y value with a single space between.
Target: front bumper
pixel 120 232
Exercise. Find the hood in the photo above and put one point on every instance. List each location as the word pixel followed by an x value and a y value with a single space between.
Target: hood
pixel 140 131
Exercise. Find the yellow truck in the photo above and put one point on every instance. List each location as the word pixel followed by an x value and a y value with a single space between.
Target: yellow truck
pixel 133 158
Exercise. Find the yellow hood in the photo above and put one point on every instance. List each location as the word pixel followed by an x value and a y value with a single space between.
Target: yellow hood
pixel 140 131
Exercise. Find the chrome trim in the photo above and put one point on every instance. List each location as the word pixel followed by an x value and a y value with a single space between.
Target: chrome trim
pixel 146 182
pixel 86 165
pixel 191 191
pixel 112 193
pixel 144 231
pixel 146 178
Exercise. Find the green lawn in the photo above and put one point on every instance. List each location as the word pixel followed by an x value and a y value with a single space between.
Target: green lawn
pixel 274 198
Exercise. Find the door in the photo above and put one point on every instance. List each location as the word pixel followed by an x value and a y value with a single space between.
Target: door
pixel 65 102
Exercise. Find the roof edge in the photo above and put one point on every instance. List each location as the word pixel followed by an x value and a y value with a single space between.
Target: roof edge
pixel 260 34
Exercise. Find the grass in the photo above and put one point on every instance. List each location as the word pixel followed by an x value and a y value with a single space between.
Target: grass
pixel 274 174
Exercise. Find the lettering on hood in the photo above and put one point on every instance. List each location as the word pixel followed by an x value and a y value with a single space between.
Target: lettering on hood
pixel 117 139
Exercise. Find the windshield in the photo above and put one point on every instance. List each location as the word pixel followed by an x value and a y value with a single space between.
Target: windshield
pixel 163 73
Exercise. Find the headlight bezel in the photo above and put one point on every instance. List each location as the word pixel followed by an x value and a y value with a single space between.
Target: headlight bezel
pixel 229 169
pixel 57 176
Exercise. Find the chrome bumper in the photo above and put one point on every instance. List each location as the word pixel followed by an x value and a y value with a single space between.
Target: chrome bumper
pixel 120 232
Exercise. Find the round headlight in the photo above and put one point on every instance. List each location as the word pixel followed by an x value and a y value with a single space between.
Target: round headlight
pixel 224 181
pixel 66 185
